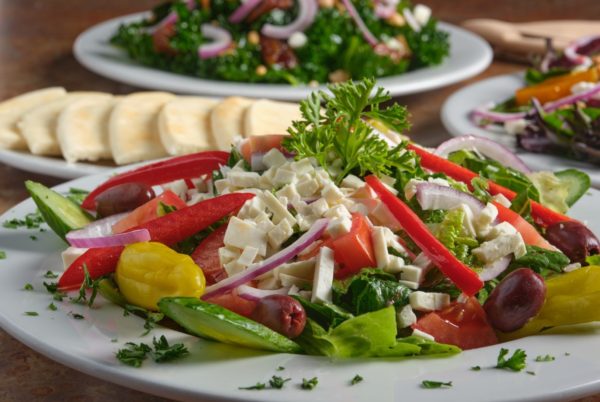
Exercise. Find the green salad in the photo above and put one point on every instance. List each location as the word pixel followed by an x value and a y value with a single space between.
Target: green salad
pixel 285 41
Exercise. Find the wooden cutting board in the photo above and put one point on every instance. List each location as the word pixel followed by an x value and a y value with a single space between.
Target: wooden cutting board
pixel 530 37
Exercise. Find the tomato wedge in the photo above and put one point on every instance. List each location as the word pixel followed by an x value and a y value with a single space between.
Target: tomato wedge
pixel 353 251
pixel 462 324
pixel 206 255
pixel 148 211
pixel 260 143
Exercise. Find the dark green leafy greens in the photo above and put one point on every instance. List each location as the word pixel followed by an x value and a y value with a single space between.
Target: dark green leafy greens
pixel 544 262
pixel 514 363
pixel 356 379
pixel 428 384
pixel 309 384
pixel 545 358
pixel 134 354
pixel 326 314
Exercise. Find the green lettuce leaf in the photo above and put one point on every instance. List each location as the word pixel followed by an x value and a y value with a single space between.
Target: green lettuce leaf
pixel 370 290
pixel 451 233
pixel 544 262
pixel 326 315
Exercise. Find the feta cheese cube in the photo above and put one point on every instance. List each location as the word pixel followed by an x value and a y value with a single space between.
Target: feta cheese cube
pixel 243 179
pixel 468 218
pixel 251 208
pixel 515 127
pixel 485 218
pixel 290 280
pixel 294 290
pixel 196 198
pixel 405 317
pixel 70 255
pixel 319 207
pixel 411 273
pixel 307 186
pixel 279 210
pixel 280 233
pixel 502 200
pixel 269 283
pixel 499 247
pixel 410 189
pixel 179 187
pixel 421 334
pixel 323 279
pixel 290 192
pixel 274 158
pixel 248 255
pixel 233 267
pixel 380 247
pixel 222 186
pixel 422 261
pixel 422 13
pixel 383 217
pixel 409 284
pixel 227 254
pixel 305 222
pixel 284 176
pixel 352 181
pixel 300 269
pixel 339 226
pixel 263 222
pixel 395 265
pixel 303 166
pixel 503 228
pixel 338 211
pixel 242 233
pixel 265 181
pixel 428 301
pixel 332 194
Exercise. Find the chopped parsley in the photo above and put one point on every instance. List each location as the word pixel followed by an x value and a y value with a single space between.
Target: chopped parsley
pixel 546 358
pixel 280 368
pixel 28 286
pixel 76 316
pixel 2 255
pixel 515 363
pixel 530 372
pixel 50 275
pixel 277 382
pixel 88 283
pixel 32 237
pixel 435 384
pixel 309 384
pixel 31 313
pixel 52 288
pixel 52 307
pixel 31 221
pixel 257 386
pixel 77 195
pixel 151 318
pixel 163 352
pixel 357 378
pixel 567 354
pixel 134 354
pixel 476 368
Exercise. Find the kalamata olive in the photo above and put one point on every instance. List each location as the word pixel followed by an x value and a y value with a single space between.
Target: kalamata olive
pixel 574 239
pixel 282 314
pixel 122 198
pixel 516 299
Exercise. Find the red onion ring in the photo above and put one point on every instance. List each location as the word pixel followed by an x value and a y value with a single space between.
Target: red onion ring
pixel 99 234
pixel 243 10
pixel 369 37
pixel 485 147
pixel 571 51
pixel 306 16
pixel 255 294
pixel 281 257
pixel 221 41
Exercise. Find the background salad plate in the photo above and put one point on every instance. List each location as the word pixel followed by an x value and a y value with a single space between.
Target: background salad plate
pixel 469 55
pixel 457 108
pixel 214 371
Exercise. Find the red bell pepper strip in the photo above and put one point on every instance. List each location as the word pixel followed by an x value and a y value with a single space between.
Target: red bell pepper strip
pixel 542 215
pixel 168 229
pixel 461 275
pixel 162 173
pixel 184 158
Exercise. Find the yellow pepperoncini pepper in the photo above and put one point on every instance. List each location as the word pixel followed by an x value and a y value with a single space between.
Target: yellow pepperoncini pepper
pixel 571 298
pixel 149 271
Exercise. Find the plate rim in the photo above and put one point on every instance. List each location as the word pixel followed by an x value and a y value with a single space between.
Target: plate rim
pixel 122 376
pixel 81 51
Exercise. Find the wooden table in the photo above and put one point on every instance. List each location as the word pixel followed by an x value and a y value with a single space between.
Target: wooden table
pixel 35 51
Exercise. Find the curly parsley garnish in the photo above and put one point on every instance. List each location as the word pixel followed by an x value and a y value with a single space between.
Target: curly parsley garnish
pixel 435 384
pixel 134 354
pixel 515 363
pixel 357 378
pixel 28 286
pixel 546 358
pixel 339 137
pixel 163 352
pixel 309 384
pixel 32 313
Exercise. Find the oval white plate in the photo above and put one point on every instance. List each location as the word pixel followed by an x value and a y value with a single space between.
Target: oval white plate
pixel 469 56
pixel 215 371
pixel 455 117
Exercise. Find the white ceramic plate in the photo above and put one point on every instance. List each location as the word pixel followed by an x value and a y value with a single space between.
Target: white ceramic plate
pixel 455 116
pixel 215 371
pixel 469 56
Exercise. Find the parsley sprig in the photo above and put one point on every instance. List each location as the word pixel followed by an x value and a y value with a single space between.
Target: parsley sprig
pixel 428 384
pixel 339 136
pixel 515 363
pixel 134 354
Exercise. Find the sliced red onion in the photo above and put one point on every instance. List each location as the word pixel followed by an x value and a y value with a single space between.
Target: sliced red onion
pixel 493 269
pixel 270 263
pixel 256 162
pixel 369 37
pixel 255 294
pixel 484 112
pixel 221 41
pixel 306 16
pixel 99 234
pixel 411 20
pixel 571 52
pixel 484 146
pixel 434 196
pixel 383 10
pixel 243 10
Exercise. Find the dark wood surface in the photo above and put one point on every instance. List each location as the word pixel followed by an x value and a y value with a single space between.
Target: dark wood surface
pixel 35 52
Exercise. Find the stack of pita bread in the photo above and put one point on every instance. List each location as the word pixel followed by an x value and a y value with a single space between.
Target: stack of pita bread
pixel 93 126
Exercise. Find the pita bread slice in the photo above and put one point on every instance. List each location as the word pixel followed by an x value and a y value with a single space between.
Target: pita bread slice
pixel 82 129
pixel 227 121
pixel 38 126
pixel 184 125
pixel 133 127
pixel 13 109
pixel 269 117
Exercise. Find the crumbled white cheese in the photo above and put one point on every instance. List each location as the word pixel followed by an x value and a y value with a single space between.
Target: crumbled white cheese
pixel 337 211
pixel 395 264
pixel 424 335
pixel 319 207
pixel 302 167
pixel 307 186
pixel 70 255
pixel 233 267
pixel 179 187
pixel 290 192
pixel 300 269
pixel 352 181
pixel 332 194
pixel 279 210
pixel 290 280
pixel 248 255
pixel 274 158
pixel 251 208
pixel 227 254
pixel 502 200
pixel 411 273
pixel 405 317
pixel 515 127
pixel 284 176
pixel 297 39
pixel 499 247
pixel 409 284
pixel 323 279
pixel 243 179
pixel 242 233
pixel 428 301
pixel 422 14
pixel 339 226
pixel 280 233
pixel 380 247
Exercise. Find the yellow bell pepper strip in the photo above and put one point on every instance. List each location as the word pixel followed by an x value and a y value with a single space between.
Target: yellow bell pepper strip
pixel 554 88
pixel 571 298
pixel 461 275
pixel 149 271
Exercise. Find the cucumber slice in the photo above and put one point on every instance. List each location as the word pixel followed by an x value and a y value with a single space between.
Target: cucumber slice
pixel 215 322
pixel 577 183
pixel 60 213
